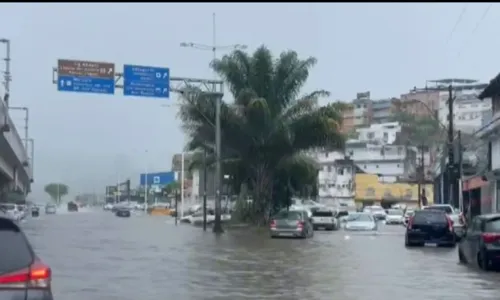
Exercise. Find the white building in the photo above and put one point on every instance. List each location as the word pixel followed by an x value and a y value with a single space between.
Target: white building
pixel 468 110
pixel 335 179
pixel 384 133
pixel 374 152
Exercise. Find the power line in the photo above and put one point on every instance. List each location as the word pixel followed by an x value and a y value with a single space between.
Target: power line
pixel 459 19
pixel 483 16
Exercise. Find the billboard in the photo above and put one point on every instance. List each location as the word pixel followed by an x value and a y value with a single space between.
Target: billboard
pixel 158 178
pixel 369 187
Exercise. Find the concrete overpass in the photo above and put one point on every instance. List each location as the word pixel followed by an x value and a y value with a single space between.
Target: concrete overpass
pixel 16 172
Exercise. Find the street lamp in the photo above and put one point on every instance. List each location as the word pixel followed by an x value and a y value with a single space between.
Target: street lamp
pixel 214 47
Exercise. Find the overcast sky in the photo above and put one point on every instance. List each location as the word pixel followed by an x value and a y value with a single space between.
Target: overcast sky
pixel 88 141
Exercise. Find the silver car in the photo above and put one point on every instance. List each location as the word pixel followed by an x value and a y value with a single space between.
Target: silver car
pixel 361 222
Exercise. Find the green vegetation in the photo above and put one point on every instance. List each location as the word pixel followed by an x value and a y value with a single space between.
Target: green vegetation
pixel 419 130
pixel 267 129
pixel 169 189
pixel 56 191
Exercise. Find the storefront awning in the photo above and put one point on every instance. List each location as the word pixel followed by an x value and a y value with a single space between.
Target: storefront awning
pixel 473 183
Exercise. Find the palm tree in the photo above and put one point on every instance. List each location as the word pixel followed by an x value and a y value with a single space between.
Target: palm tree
pixel 269 127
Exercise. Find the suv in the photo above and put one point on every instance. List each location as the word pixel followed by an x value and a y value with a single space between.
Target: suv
pixel 22 274
pixel 429 226
pixel 481 242
pixel 324 218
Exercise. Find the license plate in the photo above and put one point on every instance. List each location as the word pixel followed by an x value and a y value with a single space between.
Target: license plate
pixel 285 234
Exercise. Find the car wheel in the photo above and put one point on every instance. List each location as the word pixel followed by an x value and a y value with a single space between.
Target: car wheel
pixel 482 262
pixel 461 256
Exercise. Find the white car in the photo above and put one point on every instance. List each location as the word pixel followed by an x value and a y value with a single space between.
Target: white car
pixel 108 206
pixel 394 216
pixel 324 218
pixel 378 212
pixel 12 211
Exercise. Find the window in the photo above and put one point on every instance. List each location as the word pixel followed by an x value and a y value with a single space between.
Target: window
pixel 386 135
pixel 326 154
pixel 329 169
pixel 16 252
pixel 370 135
pixel 340 171
pixel 398 165
pixel 358 106
pixel 400 150
pixel 376 166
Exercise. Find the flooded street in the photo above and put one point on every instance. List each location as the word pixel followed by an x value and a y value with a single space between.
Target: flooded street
pixel 95 255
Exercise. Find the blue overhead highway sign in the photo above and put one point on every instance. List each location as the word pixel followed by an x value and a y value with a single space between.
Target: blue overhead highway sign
pixel 85 76
pixel 143 81
pixel 159 178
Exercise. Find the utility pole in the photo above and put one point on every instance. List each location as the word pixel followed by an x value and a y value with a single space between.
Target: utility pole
pixel 460 172
pixel 6 82
pixel 205 190
pixel 421 176
pixel 451 156
pixel 218 170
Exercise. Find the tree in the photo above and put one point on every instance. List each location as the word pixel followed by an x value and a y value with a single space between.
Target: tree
pixel 170 188
pixel 419 130
pixel 268 128
pixel 56 191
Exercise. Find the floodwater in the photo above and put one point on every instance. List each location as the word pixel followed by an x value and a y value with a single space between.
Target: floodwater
pixel 95 255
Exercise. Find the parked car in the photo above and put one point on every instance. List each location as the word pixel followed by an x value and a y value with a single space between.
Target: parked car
pixel 23 275
pixel 108 206
pixel 11 210
pixel 394 216
pixel 481 242
pixel 324 218
pixel 361 221
pixel 378 212
pixel 429 226
pixel 292 223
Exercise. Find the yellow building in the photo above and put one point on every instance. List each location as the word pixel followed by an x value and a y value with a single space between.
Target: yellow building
pixel 370 189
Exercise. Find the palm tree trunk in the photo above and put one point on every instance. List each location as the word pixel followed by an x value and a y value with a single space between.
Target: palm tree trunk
pixel 262 185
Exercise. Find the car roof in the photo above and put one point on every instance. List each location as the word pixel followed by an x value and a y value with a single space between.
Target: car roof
pixel 426 211
pixel 489 216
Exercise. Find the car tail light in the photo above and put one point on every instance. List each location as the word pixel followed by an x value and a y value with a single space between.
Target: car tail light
pixel 450 223
pixel 489 238
pixel 273 224
pixel 38 275
pixel 410 222
pixel 300 225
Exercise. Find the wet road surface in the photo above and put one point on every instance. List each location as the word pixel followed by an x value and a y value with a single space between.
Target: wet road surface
pixel 95 255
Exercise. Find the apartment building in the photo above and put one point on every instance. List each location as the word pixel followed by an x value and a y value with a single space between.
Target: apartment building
pixel 335 178
pixel 362 109
pixel 420 102
pixel 376 152
pixel 348 120
pixel 382 111
pixel 469 112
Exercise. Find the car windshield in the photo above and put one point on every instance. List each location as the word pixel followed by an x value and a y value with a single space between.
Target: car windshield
pixel 395 212
pixel 429 217
pixel 444 208
pixel 375 208
pixel 289 215
pixel 359 218
pixel 322 213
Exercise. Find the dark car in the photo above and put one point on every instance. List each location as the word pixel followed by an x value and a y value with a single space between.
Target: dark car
pixel 122 212
pixel 429 226
pixel 35 211
pixel 293 223
pixel 72 206
pixel 481 242
pixel 23 275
